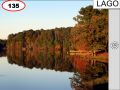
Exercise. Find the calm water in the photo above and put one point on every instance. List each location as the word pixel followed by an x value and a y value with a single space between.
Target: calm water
pixel 14 77
pixel 29 71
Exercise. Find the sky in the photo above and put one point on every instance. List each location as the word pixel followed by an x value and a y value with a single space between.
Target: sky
pixel 40 14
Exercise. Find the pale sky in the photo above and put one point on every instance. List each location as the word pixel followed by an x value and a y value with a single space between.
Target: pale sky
pixel 40 14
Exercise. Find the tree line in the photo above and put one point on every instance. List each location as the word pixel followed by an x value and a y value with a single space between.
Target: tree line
pixel 2 45
pixel 90 33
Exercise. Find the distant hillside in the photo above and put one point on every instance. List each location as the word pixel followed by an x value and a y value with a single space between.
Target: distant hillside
pixel 2 45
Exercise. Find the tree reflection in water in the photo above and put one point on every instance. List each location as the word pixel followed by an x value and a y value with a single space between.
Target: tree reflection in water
pixel 88 74
pixel 49 60
pixel 94 77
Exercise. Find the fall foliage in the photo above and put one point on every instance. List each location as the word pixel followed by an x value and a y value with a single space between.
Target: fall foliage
pixel 90 33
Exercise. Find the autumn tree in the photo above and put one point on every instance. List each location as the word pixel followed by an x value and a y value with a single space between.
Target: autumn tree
pixel 95 27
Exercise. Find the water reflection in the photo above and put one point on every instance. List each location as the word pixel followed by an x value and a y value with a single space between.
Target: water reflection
pixel 48 60
pixel 88 74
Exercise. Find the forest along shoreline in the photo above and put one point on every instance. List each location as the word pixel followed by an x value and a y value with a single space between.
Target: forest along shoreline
pixel 3 47
pixel 88 38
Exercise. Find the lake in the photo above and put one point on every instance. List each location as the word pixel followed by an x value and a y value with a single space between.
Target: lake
pixel 51 72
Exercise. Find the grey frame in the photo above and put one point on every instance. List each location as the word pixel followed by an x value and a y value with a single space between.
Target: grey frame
pixel 114 40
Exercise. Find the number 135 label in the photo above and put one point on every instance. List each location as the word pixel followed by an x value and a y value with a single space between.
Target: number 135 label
pixel 13 5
